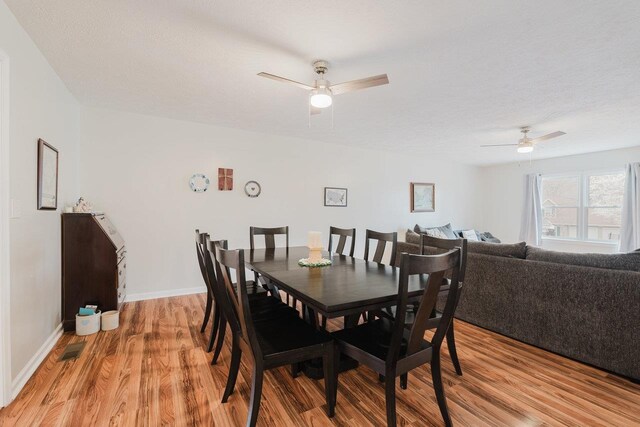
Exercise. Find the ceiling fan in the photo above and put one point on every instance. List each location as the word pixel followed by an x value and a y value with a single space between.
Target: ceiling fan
pixel 526 144
pixel 321 93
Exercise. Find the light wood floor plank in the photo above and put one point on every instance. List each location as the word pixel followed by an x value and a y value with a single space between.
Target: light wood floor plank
pixel 154 371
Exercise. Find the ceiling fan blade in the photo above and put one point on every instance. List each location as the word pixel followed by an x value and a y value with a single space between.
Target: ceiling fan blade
pixel 314 110
pixel 282 79
pixel 547 136
pixel 498 145
pixel 367 82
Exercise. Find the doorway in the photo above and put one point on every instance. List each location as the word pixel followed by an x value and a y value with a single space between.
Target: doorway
pixel 5 330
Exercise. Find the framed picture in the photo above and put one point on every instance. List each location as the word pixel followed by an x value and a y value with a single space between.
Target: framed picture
pixel 423 197
pixel 225 179
pixel 335 197
pixel 47 176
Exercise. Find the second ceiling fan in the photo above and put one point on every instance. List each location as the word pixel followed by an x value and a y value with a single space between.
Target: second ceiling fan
pixel 526 144
pixel 321 93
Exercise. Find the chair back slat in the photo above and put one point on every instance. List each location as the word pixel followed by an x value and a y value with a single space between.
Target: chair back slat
pixel 380 247
pixel 269 235
pixel 217 286
pixel 343 233
pixel 227 260
pixel 382 239
pixel 341 242
pixel 200 252
pixel 445 245
pixel 435 266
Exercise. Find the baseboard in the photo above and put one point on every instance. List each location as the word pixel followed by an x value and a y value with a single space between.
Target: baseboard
pixel 165 294
pixel 35 361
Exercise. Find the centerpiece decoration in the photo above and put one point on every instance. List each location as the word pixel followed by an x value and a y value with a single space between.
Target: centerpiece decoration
pixel 315 252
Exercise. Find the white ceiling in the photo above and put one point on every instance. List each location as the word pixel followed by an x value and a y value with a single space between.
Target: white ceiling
pixel 463 73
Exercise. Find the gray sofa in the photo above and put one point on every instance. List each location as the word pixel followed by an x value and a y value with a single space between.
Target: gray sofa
pixel 582 306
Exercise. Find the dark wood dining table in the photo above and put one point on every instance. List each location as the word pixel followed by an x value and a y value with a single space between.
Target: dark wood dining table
pixel 346 288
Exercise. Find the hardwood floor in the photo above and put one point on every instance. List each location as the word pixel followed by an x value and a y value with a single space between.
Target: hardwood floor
pixel 154 370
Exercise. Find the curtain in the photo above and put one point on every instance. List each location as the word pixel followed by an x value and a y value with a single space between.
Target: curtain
pixel 630 231
pixel 531 224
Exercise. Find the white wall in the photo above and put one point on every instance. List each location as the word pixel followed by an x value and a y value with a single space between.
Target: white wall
pixel 40 107
pixel 136 168
pixel 503 188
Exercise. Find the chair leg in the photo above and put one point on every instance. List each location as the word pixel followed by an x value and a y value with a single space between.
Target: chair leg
pixel 437 385
pixel 451 344
pixel 295 369
pixel 220 343
pixel 214 328
pixel 390 398
pixel 207 313
pixel 234 367
pixel 256 393
pixel 324 323
pixel 404 380
pixel 330 379
pixel 336 370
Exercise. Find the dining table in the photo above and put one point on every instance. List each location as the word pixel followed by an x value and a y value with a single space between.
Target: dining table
pixel 346 288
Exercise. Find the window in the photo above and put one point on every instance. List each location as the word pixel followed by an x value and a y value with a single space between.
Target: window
pixel 584 206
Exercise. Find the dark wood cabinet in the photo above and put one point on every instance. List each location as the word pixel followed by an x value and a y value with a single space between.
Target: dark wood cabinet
pixel 94 265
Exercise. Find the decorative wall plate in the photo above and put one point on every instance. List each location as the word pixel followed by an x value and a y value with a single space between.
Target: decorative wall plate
pixel 198 183
pixel 252 189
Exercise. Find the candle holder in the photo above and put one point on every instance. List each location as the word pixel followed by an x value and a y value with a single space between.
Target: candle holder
pixel 315 255
pixel 315 252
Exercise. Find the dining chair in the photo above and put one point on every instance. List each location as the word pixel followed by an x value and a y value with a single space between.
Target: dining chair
pixel 269 236
pixel 389 347
pixel 382 239
pixel 342 241
pixel 264 341
pixel 430 246
pixel 343 233
pixel 262 303
pixel 210 306
pixel 440 245
pixel 270 243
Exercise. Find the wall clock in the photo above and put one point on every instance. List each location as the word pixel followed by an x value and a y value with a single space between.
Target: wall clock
pixel 198 183
pixel 252 189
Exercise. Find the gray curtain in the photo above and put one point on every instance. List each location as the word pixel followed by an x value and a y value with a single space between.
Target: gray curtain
pixel 531 224
pixel 630 231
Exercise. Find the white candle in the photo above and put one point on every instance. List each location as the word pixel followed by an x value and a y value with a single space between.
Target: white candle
pixel 315 239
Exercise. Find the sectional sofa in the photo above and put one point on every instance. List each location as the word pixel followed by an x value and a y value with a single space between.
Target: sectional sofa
pixel 582 306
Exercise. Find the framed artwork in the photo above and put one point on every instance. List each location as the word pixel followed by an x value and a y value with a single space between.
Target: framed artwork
pixel 423 197
pixel 225 179
pixel 47 176
pixel 335 197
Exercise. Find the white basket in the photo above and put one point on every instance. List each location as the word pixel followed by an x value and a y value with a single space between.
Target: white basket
pixel 110 320
pixel 87 325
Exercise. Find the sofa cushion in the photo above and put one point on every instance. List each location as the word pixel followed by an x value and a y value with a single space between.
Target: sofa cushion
pixel 511 250
pixel 629 261
pixel 444 231
pixel 412 237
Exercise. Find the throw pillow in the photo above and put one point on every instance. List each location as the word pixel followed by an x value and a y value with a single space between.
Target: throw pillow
pixel 436 232
pixel 470 235
pixel 412 237
pixel 447 230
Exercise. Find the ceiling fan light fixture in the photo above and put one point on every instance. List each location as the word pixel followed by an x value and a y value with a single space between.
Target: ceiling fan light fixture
pixel 525 148
pixel 321 98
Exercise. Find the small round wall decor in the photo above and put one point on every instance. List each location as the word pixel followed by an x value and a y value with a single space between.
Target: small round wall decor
pixel 252 189
pixel 198 183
